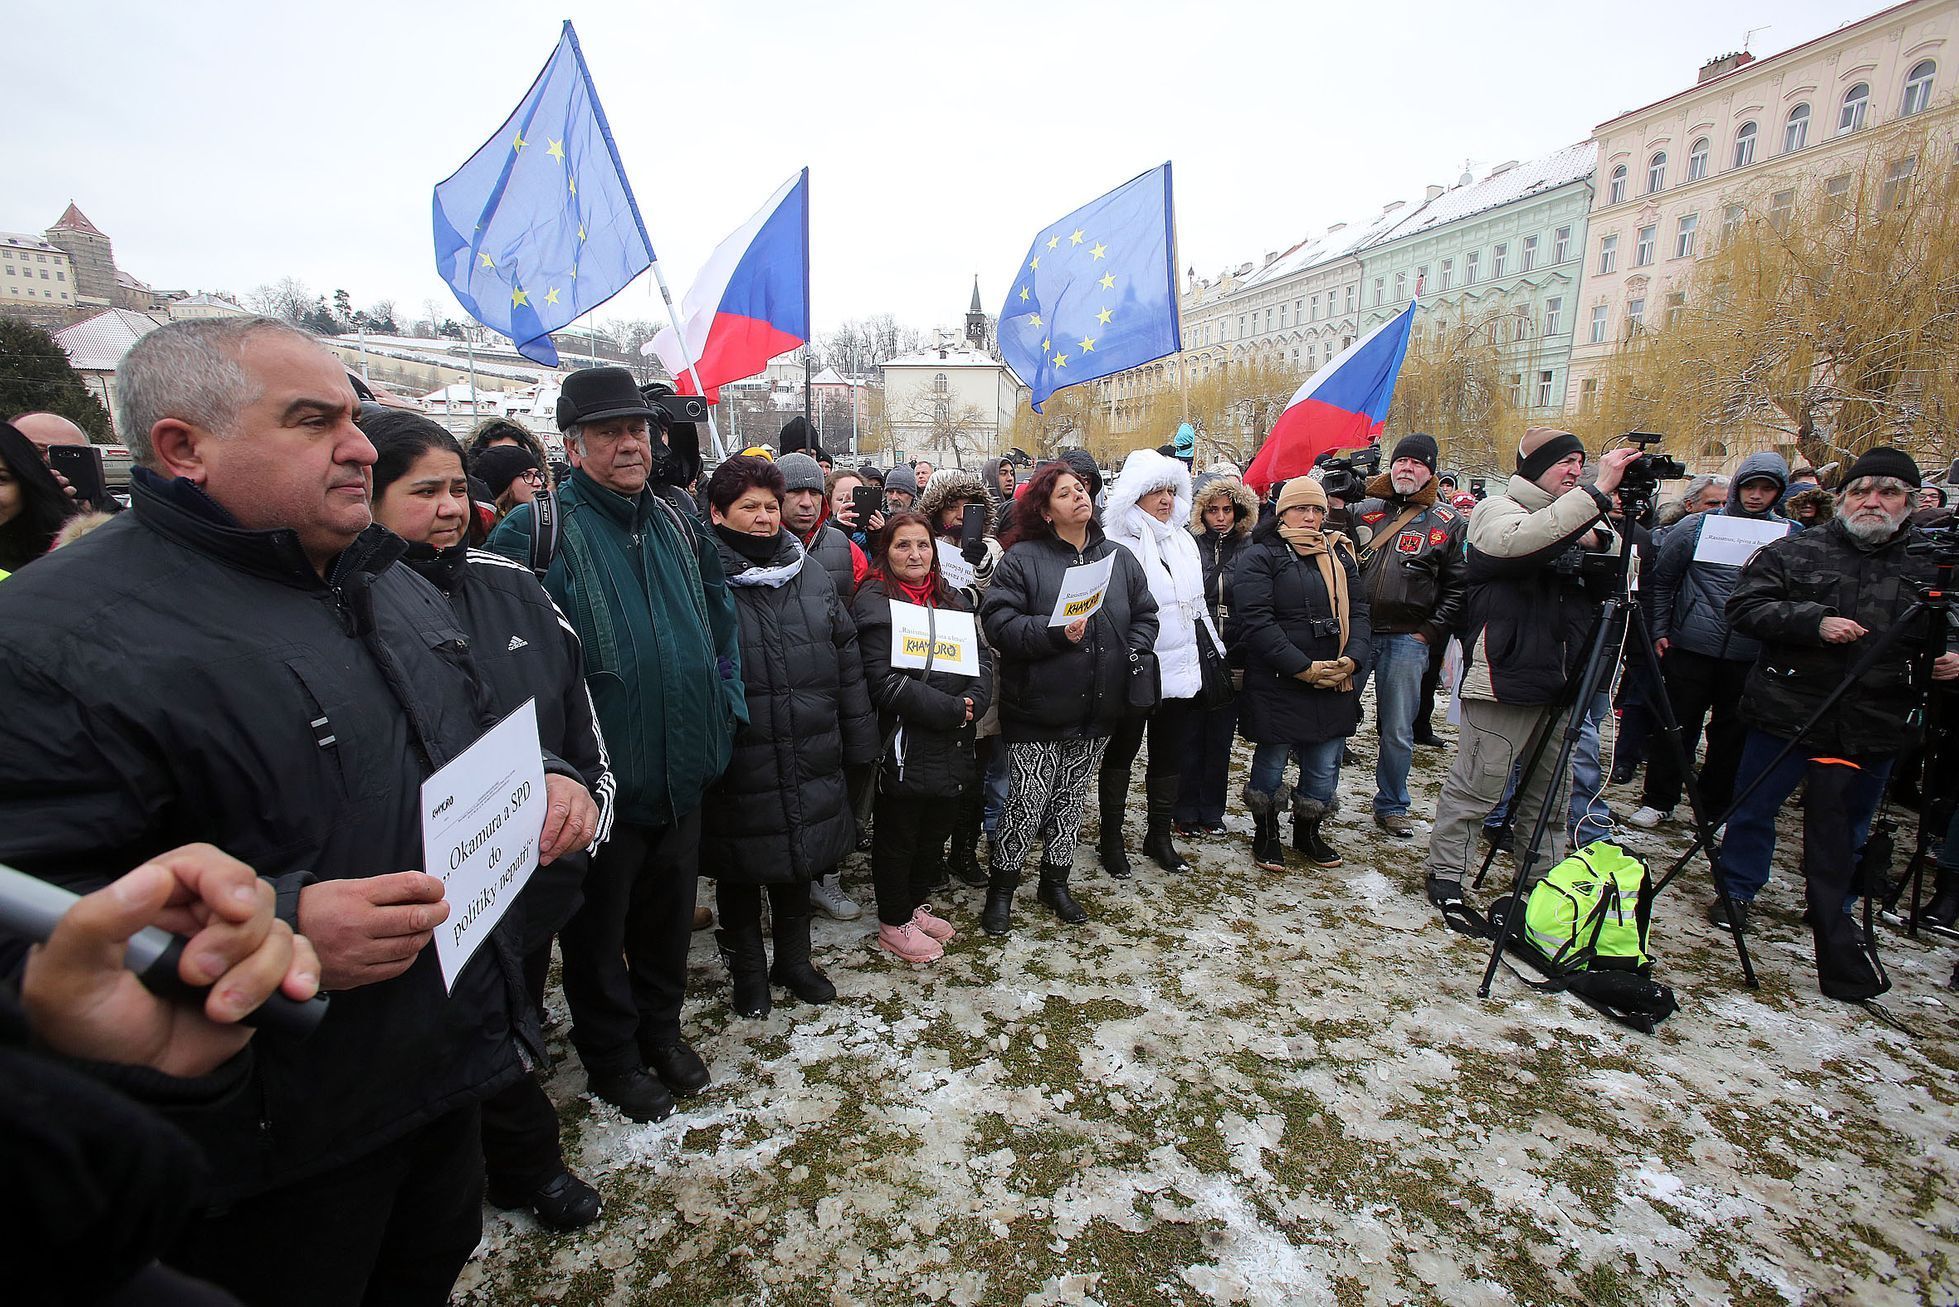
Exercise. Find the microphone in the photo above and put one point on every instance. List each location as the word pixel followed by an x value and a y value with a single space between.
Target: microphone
pixel 31 907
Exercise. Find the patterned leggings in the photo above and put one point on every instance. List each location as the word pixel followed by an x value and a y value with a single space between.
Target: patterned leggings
pixel 1047 783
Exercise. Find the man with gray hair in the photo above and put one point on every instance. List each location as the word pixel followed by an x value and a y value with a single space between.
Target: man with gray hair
pixel 1810 599
pixel 237 660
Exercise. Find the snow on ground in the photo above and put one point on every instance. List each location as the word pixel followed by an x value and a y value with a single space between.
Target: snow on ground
pixel 1243 1087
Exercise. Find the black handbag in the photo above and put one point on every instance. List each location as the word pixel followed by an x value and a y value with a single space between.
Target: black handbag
pixel 1145 683
pixel 1215 689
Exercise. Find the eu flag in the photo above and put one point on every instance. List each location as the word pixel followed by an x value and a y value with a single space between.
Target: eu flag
pixel 540 226
pixel 1097 292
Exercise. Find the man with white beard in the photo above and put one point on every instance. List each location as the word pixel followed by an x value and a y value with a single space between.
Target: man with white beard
pixel 1416 578
pixel 1811 598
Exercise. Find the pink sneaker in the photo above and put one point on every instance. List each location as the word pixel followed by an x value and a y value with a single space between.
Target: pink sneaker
pixel 908 942
pixel 937 927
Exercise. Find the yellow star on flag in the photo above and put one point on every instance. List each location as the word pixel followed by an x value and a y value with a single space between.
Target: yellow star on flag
pixel 574 184
pixel 1023 294
pixel 1033 319
pixel 1076 239
pixel 551 296
pixel 1053 241
pixel 1097 250
pixel 1108 281
pixel 1036 263
pixel 1103 317
pixel 581 231
pixel 1046 345
pixel 488 262
pixel 557 151
pixel 521 142
pixel 1087 343
pixel 1061 360
pixel 519 296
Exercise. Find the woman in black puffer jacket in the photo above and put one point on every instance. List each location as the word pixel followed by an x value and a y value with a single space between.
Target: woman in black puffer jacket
pixel 1222 513
pixel 929 717
pixel 1063 689
pixel 780 815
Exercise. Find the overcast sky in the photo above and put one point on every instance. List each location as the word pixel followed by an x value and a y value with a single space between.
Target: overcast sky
pixel 224 146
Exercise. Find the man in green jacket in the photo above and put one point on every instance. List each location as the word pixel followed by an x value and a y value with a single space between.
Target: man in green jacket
pixel 632 569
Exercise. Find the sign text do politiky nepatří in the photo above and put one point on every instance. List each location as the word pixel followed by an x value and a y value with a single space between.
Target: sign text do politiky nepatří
pixel 950 638
pixel 482 814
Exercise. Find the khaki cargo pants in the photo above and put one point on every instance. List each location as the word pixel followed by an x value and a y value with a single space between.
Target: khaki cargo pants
pixel 1494 738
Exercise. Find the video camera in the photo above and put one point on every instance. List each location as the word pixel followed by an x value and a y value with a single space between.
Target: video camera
pixel 1346 478
pixel 1640 480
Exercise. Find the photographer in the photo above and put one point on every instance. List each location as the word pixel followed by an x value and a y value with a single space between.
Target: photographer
pixel 1413 573
pixel 1810 598
pixel 1527 617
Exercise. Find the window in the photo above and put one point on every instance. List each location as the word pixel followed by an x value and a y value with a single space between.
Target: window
pixel 1608 253
pixel 1528 260
pixel 1617 191
pixel 1553 315
pixel 1683 244
pixel 1781 205
pixel 1635 314
pixel 1282 315
pixel 939 383
pixel 1400 287
pixel 1268 319
pixel 1599 312
pixel 1516 390
pixel 1380 290
pixel 1520 325
pixel 1500 259
pixel 1856 103
pixel 1795 132
pixel 61 276
pixel 1918 88
pixel 1241 326
pixel 44 274
pixel 1448 273
pixel 1587 393
pixel 1656 172
pixel 1544 390
pixel 11 272
pixel 1421 279
pixel 1643 242
pixel 1676 307
pixel 1469 262
pixel 1836 197
pixel 1697 160
pixel 1299 311
pixel 1897 184
pixel 1745 145
pixel 1561 245
pixel 1353 298
pixel 1731 219
pixel 1315 302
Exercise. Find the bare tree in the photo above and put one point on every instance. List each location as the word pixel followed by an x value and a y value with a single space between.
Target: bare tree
pixel 287 299
pixel 1453 386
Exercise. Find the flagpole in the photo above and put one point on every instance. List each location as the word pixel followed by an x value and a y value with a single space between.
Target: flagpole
pixel 687 352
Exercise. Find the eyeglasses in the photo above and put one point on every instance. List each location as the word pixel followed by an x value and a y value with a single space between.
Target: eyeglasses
pixel 532 475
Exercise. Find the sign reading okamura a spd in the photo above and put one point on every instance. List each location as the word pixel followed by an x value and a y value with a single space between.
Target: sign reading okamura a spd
pixel 481 817
pixel 949 639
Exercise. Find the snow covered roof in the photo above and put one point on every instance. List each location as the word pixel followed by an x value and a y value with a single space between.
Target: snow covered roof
pixel 1336 243
pixel 23 241
pixel 459 393
pixel 1573 163
pixel 962 357
pixel 97 344
pixel 828 377
pixel 206 301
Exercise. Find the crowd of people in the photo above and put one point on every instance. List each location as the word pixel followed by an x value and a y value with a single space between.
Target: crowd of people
pixel 313 601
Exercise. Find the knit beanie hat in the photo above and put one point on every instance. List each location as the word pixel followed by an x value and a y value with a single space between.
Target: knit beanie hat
pixel 1301 490
pixel 1417 445
pixel 901 478
pixel 799 472
pixel 499 465
pixel 1885 462
pixel 1542 448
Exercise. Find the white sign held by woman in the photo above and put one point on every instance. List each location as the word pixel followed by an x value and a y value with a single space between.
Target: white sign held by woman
pixel 949 638
pixel 1082 590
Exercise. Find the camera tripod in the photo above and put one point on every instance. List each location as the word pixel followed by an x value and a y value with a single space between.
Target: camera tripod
pixel 1573 701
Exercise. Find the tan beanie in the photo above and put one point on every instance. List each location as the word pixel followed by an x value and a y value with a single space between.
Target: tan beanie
pixel 1542 447
pixel 1301 490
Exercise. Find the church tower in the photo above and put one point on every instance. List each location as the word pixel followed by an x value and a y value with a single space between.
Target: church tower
pixel 89 253
pixel 976 320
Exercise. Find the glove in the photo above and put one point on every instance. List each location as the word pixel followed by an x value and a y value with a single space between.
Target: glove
pixel 974 553
pixel 1330 674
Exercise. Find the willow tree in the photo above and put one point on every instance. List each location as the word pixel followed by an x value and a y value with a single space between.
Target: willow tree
pixel 1452 387
pixel 1824 320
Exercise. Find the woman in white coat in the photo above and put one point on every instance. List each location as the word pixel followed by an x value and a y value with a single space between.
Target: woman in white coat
pixel 1146 511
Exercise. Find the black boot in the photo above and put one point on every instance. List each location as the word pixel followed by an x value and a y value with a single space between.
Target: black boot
pixel 963 862
pixel 1157 843
pixel 748 963
pixel 1113 791
pixel 792 969
pixel 1943 910
pixel 1268 849
pixel 1306 818
pixel 996 918
pixel 1054 893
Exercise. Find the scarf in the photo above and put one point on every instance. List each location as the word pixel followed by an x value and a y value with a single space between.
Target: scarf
pixel 756 549
pixel 925 595
pixel 1308 543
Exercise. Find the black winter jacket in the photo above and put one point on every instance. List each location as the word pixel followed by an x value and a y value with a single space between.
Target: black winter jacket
pixel 213 687
pixel 780 813
pixel 1781 599
pixel 1416 581
pixel 525 649
pixel 1688 598
pixel 922 714
pixel 1279 595
pixel 1050 687
pixel 833 551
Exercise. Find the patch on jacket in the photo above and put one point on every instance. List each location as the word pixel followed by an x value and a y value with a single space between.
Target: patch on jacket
pixel 1408 542
pixel 1446 514
pixel 1375 516
pixel 1437 535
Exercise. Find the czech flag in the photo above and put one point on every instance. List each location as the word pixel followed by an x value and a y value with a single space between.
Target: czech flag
pixel 1342 406
pixel 749 303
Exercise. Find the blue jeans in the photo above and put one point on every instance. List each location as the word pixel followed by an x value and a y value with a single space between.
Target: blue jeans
pixel 1319 768
pixel 1588 817
pixel 1750 841
pixel 994 785
pixel 1399 663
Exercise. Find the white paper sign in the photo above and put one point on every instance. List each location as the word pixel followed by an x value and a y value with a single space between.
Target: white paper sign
pixel 1082 590
pixel 1734 540
pixel 958 573
pixel 481 818
pixel 950 637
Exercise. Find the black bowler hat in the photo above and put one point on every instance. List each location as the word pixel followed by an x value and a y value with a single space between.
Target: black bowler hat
pixel 595 394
